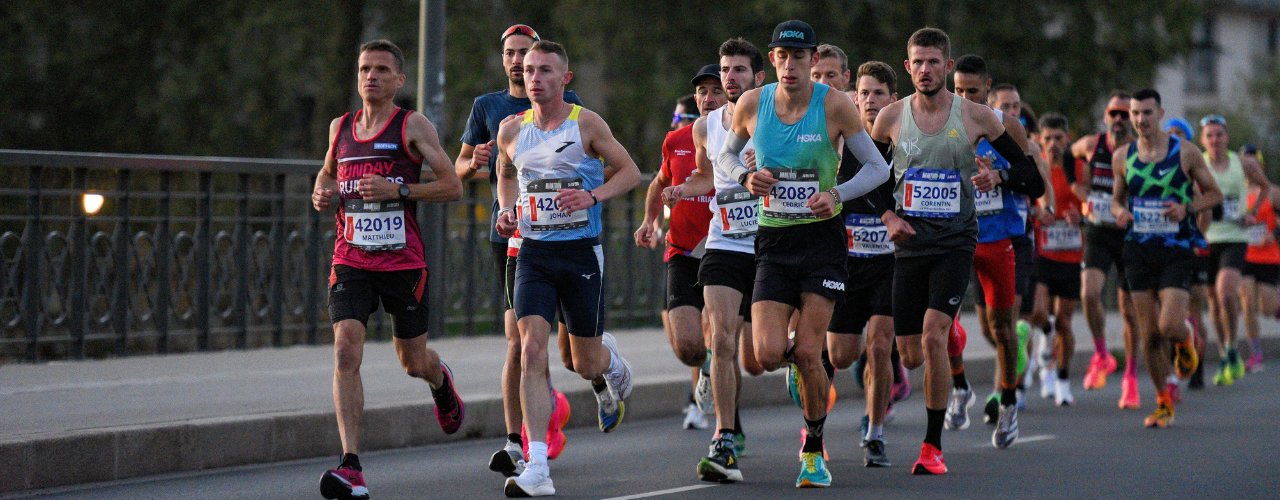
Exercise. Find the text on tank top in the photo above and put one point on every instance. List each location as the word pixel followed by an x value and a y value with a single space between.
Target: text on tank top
pixel 1102 179
pixel 1151 187
pixel 799 155
pixel 933 191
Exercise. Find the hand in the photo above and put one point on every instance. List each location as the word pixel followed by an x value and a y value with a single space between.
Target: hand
pixel 481 155
pixel 647 235
pixel 320 199
pixel 749 157
pixel 373 187
pixel 823 204
pixel 1046 218
pixel 672 194
pixel 760 182
pixel 986 179
pixel 1175 211
pixel 506 225
pixel 900 231
pixel 1073 216
pixel 573 200
pixel 1123 217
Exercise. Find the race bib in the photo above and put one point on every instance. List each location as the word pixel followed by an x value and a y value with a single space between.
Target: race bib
pixel 739 215
pixel 1062 236
pixel 794 188
pixel 1149 219
pixel 375 226
pixel 868 236
pixel 988 203
pixel 931 193
pixel 1231 209
pixel 1100 208
pixel 1258 234
pixel 545 213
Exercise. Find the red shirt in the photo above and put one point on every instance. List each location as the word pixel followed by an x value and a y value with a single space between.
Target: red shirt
pixel 1270 252
pixel 1065 199
pixel 386 154
pixel 690 217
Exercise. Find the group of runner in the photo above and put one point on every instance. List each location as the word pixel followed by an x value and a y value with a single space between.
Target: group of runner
pixel 802 213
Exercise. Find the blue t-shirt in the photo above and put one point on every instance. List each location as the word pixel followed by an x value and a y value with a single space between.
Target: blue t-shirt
pixel 487 114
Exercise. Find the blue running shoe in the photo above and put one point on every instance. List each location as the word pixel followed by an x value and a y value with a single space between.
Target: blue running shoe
pixel 793 384
pixel 813 471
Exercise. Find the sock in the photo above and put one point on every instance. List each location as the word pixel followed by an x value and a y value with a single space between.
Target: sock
pixel 599 387
pixel 897 364
pixel 813 435
pixel 537 452
pixel 789 353
pixel 1100 344
pixel 875 433
pixel 1064 373
pixel 1162 398
pixel 826 365
pixel 1130 369
pixel 933 431
pixel 737 423
pixel 514 438
pixel 1047 328
pixel 1008 396
pixel 959 381
pixel 351 460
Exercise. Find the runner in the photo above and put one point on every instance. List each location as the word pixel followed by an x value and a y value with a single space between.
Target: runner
pixel 800 248
pixel 1261 274
pixel 682 318
pixel 1000 220
pixel 1228 237
pixel 1199 299
pixel 557 175
pixel 373 164
pixel 1060 244
pixel 935 229
pixel 727 270
pixel 1103 242
pixel 1153 178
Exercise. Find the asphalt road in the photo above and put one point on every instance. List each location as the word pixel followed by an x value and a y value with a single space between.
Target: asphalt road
pixel 1222 445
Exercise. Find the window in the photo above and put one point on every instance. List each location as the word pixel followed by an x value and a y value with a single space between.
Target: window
pixel 1202 63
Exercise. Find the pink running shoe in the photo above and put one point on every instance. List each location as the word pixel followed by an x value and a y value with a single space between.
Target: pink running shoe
pixel 343 482
pixel 1101 365
pixel 1254 363
pixel 901 391
pixel 450 411
pixel 1129 393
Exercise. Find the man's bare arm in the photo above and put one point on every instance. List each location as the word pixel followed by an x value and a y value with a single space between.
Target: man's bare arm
pixel 421 136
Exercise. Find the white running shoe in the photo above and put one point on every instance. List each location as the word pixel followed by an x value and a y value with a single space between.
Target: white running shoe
pixel 535 481
pixel 1006 427
pixel 703 395
pixel 1048 379
pixel 1062 393
pixel 957 417
pixel 694 418
pixel 619 380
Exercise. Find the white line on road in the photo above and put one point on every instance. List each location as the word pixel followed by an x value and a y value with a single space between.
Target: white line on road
pixel 1028 439
pixel 664 492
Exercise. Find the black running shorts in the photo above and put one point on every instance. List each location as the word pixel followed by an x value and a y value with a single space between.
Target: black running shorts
pixel 355 294
pixel 1224 255
pixel 802 258
pixel 920 283
pixel 1024 271
pixel 1062 278
pixel 1154 267
pixel 1264 274
pixel 735 270
pixel 682 282
pixel 868 292
pixel 565 274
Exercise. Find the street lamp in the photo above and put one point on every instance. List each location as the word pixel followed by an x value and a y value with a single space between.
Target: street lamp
pixel 92 203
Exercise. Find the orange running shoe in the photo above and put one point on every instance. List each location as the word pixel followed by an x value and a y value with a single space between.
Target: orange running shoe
pixel 930 462
pixel 1185 358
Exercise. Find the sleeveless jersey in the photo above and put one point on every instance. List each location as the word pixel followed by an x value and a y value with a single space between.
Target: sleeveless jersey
pixel 1260 253
pixel 376 236
pixel 866 234
pixel 1151 186
pixel 1226 226
pixel 689 218
pixel 1102 178
pixel 799 155
pixel 933 191
pixel 546 162
pixel 734 211
pixel 1063 241
pixel 998 211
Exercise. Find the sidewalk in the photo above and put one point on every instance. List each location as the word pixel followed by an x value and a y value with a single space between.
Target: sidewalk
pixel 76 422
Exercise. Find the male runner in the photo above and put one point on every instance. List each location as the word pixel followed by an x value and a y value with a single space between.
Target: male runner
pixel 477 156
pixel 1103 242
pixel 1000 220
pixel 933 133
pixel 374 161
pixel 682 318
pixel 800 247
pixel 1153 190
pixel 727 269
pixel 552 165
pixel 1228 237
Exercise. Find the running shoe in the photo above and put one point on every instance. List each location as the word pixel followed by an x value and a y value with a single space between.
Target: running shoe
pixel 562 409
pixel 618 380
pixel 1021 397
pixel 1175 395
pixel 873 454
pixel 1237 366
pixel 703 394
pixel 991 411
pixel 450 411
pixel 1129 399
pixel 1162 417
pixel 793 384
pixel 611 409
pixel 1100 366
pixel 831 397
pixel 804 434
pixel 1048 381
pixel 343 482
pixel 958 405
pixel 930 461
pixel 555 440
pixel 1062 393
pixel 1197 378
pixel 694 418
pixel 1007 428
pixel 957 337
pixel 720 465
pixel 1185 358
pixel 863 427
pixel 1024 332
pixel 1254 363
pixel 1224 374
pixel 739 444
pixel 902 389
pixel 813 471
pixel 535 481
pixel 509 461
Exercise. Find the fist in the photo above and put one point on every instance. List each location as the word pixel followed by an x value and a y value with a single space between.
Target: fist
pixel 481 156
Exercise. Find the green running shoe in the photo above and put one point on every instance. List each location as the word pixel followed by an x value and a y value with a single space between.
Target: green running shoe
pixel 1024 332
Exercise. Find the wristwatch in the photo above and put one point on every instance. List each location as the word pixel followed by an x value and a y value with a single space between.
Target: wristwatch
pixel 742 179
pixel 404 191
pixel 1004 176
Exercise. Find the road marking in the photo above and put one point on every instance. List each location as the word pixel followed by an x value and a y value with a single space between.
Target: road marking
pixel 664 492
pixel 1028 439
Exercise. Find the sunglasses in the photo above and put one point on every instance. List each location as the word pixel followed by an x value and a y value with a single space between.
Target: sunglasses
pixel 1211 119
pixel 1118 113
pixel 676 117
pixel 520 29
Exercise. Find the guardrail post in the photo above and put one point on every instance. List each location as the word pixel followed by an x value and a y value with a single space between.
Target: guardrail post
pixel 277 261
pixel 32 277
pixel 162 253
pixel 311 296
pixel 471 288
pixel 245 265
pixel 78 243
pixel 120 264
pixel 203 254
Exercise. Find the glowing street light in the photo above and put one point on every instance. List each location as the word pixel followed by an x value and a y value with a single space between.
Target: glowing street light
pixel 92 203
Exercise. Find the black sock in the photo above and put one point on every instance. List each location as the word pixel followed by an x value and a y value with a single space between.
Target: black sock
pixel 598 387
pixel 1008 397
pixel 959 381
pixel 1048 328
pixel 691 400
pixel 897 364
pixel 350 460
pixel 737 423
pixel 1064 373
pixel 813 435
pixel 514 438
pixel 789 353
pixel 933 431
pixel 826 365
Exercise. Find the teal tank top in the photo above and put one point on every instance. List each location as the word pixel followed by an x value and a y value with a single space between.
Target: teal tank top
pixel 799 155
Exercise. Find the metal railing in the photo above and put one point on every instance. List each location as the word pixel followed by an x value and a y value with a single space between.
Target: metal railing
pixel 191 253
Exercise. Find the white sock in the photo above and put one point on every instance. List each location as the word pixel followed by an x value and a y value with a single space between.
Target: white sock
pixel 875 433
pixel 537 453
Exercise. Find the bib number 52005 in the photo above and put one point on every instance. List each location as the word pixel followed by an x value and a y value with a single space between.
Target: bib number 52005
pixel 931 193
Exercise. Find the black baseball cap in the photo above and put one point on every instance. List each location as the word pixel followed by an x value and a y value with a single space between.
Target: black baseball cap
pixel 794 33
pixel 710 70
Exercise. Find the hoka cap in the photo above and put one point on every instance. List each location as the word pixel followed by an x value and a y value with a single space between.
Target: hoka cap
pixel 794 33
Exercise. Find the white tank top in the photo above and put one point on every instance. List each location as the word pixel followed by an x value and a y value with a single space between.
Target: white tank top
pixel 739 209
pixel 546 162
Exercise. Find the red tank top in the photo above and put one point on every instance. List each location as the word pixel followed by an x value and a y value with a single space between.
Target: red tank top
pixel 1270 252
pixel 1067 241
pixel 385 154
pixel 689 218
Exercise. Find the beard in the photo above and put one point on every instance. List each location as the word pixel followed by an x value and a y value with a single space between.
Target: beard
pixel 931 93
